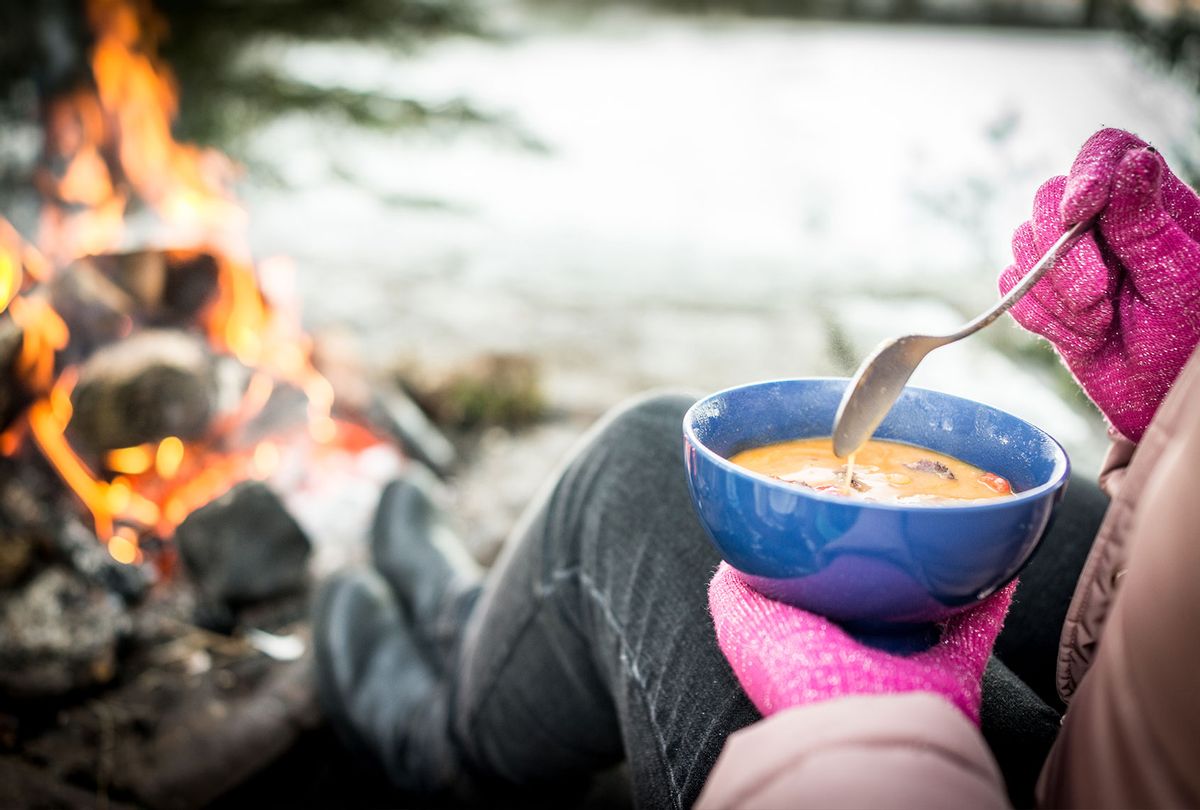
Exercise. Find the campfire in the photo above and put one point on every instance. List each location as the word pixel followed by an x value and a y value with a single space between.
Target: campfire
pixel 163 427
pixel 148 373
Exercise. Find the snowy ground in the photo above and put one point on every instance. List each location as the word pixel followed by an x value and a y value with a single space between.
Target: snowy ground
pixel 717 200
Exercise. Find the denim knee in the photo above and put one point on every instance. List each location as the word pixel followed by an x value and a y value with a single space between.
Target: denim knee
pixel 646 420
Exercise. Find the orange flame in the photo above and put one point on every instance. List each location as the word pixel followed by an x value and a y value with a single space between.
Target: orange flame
pixel 47 418
pixel 20 264
pixel 138 93
pixel 76 132
pixel 44 334
pixel 10 279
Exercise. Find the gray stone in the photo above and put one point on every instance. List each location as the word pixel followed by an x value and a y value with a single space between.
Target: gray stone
pixel 155 384
pixel 59 633
pixel 243 548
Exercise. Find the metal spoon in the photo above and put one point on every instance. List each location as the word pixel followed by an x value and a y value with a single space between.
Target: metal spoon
pixel 881 377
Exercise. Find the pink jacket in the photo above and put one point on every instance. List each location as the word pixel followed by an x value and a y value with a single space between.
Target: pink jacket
pixel 1129 667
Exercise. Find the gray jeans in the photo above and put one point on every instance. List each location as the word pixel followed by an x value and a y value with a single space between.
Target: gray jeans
pixel 591 640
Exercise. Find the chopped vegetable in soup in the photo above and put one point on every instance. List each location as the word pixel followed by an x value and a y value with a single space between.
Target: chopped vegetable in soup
pixel 878 471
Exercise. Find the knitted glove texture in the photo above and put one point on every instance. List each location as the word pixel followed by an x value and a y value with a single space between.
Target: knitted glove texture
pixel 1123 306
pixel 785 657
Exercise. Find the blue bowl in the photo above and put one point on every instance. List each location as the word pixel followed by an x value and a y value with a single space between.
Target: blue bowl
pixel 861 563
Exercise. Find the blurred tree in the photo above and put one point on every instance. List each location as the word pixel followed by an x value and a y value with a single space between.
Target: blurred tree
pixel 44 47
pixel 1094 12
pixel 224 97
pixel 907 9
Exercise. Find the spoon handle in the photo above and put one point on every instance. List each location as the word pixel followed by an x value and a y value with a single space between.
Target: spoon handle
pixel 1014 295
pixel 874 388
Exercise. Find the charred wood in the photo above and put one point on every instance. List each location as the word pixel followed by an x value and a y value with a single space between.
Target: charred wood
pixel 96 310
pixel 190 285
pixel 141 275
pixel 14 396
pixel 396 415
pixel 169 288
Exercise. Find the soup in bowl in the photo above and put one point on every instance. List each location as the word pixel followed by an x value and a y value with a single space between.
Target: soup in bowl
pixel 824 545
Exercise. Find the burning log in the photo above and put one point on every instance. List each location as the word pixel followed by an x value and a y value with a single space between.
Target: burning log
pixel 169 288
pixel 242 548
pixel 59 634
pixel 191 283
pixel 155 384
pixel 142 275
pixel 102 297
pixel 97 310
pixel 13 395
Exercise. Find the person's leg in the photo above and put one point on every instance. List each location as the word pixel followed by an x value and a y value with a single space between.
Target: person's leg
pixel 376 687
pixel 1019 729
pixel 591 640
pixel 1028 645
pixel 1021 707
pixel 415 548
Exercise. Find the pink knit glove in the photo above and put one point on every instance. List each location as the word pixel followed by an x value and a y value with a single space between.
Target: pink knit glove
pixel 785 657
pixel 1123 306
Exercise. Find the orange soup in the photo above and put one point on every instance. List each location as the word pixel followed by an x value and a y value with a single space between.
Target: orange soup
pixel 880 471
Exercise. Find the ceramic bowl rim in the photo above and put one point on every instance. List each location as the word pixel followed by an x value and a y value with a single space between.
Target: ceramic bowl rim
pixel 1059 475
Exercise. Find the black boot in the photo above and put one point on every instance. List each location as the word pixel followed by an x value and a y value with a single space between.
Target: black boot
pixel 376 687
pixel 421 557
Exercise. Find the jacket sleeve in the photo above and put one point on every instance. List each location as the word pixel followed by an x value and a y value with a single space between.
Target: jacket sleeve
pixel 1130 736
pixel 1112 471
pixel 910 750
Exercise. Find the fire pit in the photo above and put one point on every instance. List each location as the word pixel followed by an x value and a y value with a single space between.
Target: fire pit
pixel 171 461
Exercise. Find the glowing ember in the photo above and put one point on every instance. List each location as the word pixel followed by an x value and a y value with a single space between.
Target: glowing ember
pixel 123 546
pixel 169 457
pixel 114 145
pixel 132 460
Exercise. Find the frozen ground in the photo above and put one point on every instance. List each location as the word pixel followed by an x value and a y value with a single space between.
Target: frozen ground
pixel 717 200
